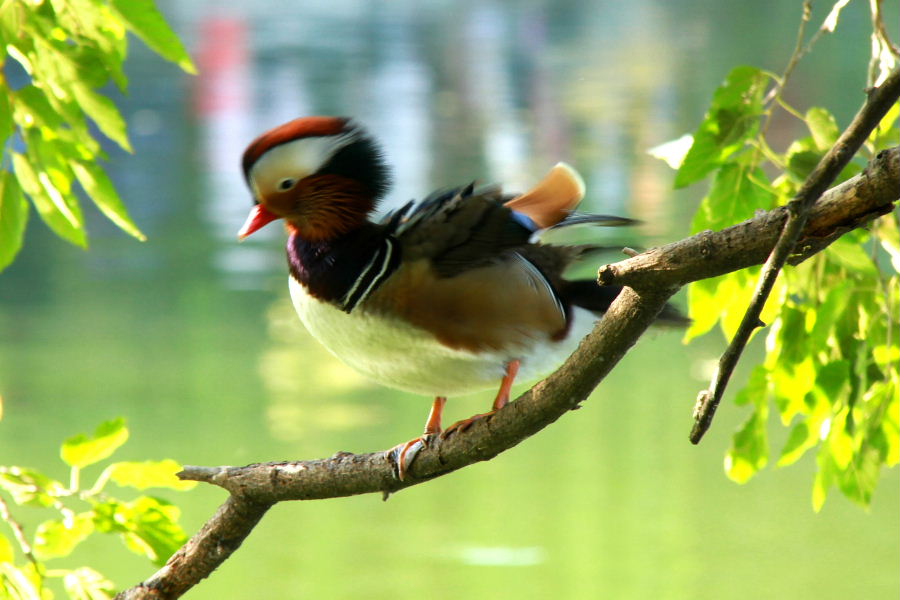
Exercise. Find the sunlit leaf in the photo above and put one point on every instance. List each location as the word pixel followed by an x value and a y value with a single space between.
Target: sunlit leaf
pixel 831 21
pixel 20 582
pixel 81 450
pixel 101 190
pixel 64 223
pixel 802 438
pixel 32 108
pixel 56 538
pixel 823 481
pixel 823 127
pixel 29 487
pixel 886 355
pixel 859 480
pixel 886 134
pixel 87 584
pixel 840 442
pixel 147 474
pixel 792 382
pixel 148 526
pixel 673 151
pixel 104 113
pixel 149 24
pixel 888 235
pixel 703 308
pixel 7 550
pixel 13 218
pixel 155 531
pixel 732 119
pixel 750 447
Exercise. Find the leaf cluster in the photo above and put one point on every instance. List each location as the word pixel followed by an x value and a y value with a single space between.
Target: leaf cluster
pixel 833 344
pixel 69 52
pixel 147 525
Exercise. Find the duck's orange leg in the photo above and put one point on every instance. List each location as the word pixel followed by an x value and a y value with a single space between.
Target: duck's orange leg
pixel 501 400
pixel 404 454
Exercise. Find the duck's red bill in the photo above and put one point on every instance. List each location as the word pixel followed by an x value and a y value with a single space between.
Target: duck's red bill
pixel 258 218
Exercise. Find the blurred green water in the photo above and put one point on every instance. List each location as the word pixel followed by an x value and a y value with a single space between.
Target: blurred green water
pixel 191 338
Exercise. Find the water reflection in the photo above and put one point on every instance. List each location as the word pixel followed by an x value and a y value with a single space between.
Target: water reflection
pixel 192 338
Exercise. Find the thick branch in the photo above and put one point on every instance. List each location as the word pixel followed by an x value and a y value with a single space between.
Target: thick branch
pixel 657 273
pixel 847 206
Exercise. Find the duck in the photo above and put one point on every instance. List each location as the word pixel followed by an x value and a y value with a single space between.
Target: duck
pixel 450 295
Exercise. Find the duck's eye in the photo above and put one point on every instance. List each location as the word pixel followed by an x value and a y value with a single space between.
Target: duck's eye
pixel 286 184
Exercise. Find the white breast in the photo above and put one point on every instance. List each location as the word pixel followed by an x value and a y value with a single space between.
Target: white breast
pixel 399 355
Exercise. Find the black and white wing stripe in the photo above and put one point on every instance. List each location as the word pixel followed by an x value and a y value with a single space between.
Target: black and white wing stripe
pixel 382 264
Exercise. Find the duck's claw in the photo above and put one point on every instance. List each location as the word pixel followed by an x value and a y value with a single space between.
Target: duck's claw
pixel 464 424
pixel 402 456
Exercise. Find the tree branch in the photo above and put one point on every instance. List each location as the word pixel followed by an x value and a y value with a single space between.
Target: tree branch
pixel 837 157
pixel 651 277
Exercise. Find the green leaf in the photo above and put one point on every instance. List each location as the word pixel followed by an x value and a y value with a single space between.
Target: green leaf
pixel 792 381
pixel 87 584
pixel 756 390
pixel 30 487
pixel 703 306
pixel 750 447
pixel 155 532
pixel 7 126
pixel 825 476
pixel 101 190
pixel 56 538
pixel 736 194
pixel 851 255
pixel 859 480
pixel 885 355
pixel 49 202
pixel 732 119
pixel 823 127
pixel 33 109
pixel 147 474
pixel 886 134
pixel 832 379
pixel 144 19
pixel 828 312
pixel 21 583
pixel 801 439
pixel 802 156
pixel 81 450
pixel 148 526
pixel 13 218
pixel 7 551
pixel 103 112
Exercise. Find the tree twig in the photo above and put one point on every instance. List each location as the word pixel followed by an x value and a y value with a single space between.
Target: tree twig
pixel 653 275
pixel 19 534
pixel 879 102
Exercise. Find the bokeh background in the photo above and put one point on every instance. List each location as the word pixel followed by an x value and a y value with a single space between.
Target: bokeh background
pixel 191 336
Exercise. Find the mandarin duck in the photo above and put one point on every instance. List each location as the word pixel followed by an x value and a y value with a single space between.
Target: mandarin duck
pixel 443 297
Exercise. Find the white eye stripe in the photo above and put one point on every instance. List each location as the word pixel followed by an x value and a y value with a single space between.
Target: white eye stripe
pixel 293 161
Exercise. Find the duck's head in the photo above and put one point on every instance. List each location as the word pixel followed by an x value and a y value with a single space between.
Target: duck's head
pixel 322 175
